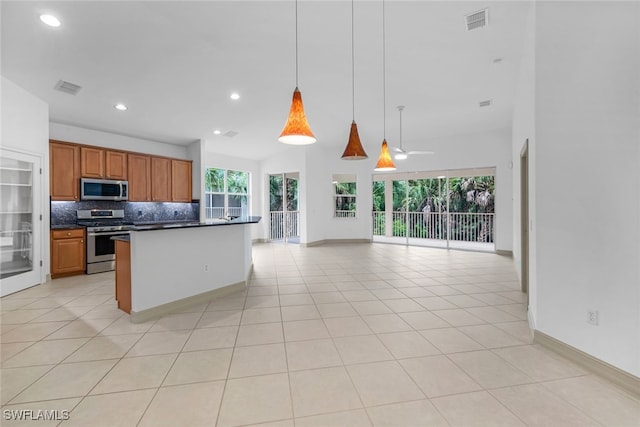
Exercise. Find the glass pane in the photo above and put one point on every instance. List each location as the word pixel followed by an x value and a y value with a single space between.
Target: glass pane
pixel 238 182
pixel 16 217
pixel 238 205
pixel 292 194
pixel 214 180
pixel 378 196
pixel 399 208
pixel 345 188
pixel 275 193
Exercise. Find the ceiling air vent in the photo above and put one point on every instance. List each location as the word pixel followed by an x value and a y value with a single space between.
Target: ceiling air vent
pixel 477 19
pixel 230 134
pixel 484 103
pixel 67 87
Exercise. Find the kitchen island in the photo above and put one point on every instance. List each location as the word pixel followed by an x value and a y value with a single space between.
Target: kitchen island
pixel 163 267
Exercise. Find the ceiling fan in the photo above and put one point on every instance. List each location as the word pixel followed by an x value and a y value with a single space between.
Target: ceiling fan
pixel 402 154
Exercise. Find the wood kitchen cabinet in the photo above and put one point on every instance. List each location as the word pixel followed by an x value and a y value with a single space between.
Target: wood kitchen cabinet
pixel 180 181
pixel 115 165
pixel 67 252
pixel 160 179
pixel 139 173
pixel 64 171
pixel 92 162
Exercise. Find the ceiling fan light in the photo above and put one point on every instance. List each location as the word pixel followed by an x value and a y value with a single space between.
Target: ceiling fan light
pixel 354 149
pixel 400 156
pixel 297 131
pixel 385 163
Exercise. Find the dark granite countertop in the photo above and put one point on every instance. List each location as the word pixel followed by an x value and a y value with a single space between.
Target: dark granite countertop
pixel 191 224
pixel 123 237
pixel 66 227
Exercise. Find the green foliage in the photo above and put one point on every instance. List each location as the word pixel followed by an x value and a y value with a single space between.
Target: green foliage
pixel 237 182
pixel 378 196
pixel 214 180
pixel 276 193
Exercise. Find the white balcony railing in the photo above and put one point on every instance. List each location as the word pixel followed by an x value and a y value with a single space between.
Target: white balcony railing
pixel 344 214
pixel 284 224
pixel 457 226
pixel 219 212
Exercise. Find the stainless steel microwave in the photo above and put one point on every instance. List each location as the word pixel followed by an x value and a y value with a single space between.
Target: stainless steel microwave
pixel 103 189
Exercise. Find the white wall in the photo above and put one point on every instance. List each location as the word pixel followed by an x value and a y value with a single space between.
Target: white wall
pixel 25 127
pixel 587 141
pixel 98 138
pixel 523 129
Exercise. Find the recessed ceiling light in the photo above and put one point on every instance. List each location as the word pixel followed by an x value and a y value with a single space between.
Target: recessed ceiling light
pixel 235 96
pixel 217 132
pixel 50 20
pixel 121 107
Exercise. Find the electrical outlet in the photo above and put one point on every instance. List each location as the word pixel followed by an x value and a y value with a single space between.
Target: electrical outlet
pixel 592 317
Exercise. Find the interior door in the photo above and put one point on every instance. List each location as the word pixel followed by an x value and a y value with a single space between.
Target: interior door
pixel 20 221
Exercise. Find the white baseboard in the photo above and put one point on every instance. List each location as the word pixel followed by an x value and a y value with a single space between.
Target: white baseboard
pixel 329 241
pixel 623 379
pixel 155 312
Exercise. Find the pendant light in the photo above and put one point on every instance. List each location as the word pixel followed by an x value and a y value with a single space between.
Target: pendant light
pixel 297 131
pixel 385 163
pixel 354 149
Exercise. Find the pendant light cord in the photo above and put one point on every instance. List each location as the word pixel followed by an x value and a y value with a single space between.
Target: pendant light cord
pixel 353 70
pixel 384 77
pixel 296 43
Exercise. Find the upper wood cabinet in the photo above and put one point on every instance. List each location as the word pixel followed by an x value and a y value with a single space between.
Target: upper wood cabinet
pixel 160 179
pixel 139 172
pixel 101 163
pixel 115 165
pixel 157 179
pixel 181 180
pixel 92 162
pixel 64 171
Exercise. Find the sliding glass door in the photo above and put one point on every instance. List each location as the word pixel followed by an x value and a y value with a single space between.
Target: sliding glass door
pixel 454 208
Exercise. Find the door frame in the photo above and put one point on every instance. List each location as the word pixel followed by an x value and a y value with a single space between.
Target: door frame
pixel 37 275
pixel 524 219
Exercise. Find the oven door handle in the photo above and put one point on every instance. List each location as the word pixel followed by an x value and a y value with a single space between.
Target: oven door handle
pixel 109 233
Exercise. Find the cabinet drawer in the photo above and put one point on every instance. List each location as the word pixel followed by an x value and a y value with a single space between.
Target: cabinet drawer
pixel 67 234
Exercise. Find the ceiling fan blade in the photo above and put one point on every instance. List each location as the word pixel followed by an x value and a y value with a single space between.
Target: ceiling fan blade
pixel 420 152
pixel 397 149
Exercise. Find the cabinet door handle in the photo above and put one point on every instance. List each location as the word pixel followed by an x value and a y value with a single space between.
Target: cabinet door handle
pixel 81 241
pixel 68 234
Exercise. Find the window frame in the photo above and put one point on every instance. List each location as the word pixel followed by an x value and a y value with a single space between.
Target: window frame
pixel 225 193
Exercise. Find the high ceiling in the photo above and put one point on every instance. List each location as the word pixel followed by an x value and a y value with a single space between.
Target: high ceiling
pixel 176 63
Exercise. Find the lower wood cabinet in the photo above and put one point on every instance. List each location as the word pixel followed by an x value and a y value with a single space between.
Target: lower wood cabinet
pixel 67 252
pixel 123 275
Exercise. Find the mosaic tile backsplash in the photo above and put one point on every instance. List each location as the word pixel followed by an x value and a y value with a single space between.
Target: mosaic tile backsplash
pixel 64 213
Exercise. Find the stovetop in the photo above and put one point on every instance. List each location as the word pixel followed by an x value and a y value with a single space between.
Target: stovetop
pixel 103 223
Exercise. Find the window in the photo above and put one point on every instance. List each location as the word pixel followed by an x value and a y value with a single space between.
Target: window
pixel 344 196
pixel 226 192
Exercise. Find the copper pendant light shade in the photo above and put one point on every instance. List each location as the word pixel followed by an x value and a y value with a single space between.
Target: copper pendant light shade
pixel 384 161
pixel 354 149
pixel 297 131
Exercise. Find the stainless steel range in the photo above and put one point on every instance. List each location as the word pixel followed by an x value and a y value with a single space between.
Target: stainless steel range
pixel 102 225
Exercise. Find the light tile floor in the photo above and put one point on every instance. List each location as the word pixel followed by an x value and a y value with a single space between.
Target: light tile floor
pixel 334 335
